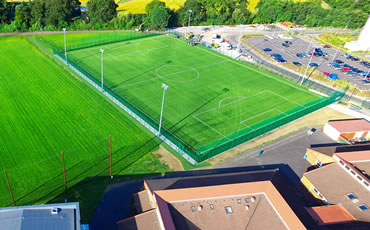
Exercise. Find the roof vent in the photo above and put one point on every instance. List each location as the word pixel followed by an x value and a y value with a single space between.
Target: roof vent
pixel 253 199
pixel 55 211
pixel 247 207
pixel 200 207
pixel 355 200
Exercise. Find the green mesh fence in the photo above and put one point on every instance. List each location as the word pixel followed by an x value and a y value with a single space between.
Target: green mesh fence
pixel 366 104
pixel 214 148
pixel 78 42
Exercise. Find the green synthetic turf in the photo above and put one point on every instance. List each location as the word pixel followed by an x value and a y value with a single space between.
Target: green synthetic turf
pixel 210 96
pixel 44 111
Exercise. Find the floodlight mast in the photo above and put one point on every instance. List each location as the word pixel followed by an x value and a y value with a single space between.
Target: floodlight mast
pixel 308 64
pixel 65 45
pixel 190 11
pixel 240 36
pixel 164 87
pixel 102 70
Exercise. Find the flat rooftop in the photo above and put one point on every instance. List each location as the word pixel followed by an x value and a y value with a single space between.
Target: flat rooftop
pixel 40 217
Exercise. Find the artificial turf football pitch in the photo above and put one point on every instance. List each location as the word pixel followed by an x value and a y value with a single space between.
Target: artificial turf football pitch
pixel 210 96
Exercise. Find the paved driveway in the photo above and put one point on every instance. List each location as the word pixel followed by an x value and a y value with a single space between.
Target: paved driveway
pixel 288 150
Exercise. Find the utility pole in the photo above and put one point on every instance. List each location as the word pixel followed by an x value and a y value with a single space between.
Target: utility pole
pixel 165 87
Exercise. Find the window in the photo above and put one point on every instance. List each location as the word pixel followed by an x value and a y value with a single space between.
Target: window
pixel 341 162
pixel 351 196
pixel 211 206
pixel 365 183
pixel 359 178
pixel 228 210
pixel 347 167
pixel 363 207
pixel 353 172
pixel 239 201
pixel 193 208
pixel 246 200
pixel 317 191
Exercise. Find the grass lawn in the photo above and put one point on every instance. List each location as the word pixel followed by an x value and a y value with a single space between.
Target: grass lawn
pixel 210 96
pixel 44 111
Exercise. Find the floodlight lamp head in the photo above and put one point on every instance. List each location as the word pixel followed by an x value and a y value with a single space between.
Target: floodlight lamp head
pixel 190 11
pixel 102 50
pixel 64 29
pixel 164 86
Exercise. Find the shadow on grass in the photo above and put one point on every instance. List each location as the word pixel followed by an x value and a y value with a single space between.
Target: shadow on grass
pixel 104 201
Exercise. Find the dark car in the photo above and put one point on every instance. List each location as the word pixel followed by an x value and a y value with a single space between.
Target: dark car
pixel 327 46
pixel 267 49
pixel 288 42
pixel 297 63
pixel 339 61
pixel 299 55
pixel 285 44
pixel 354 58
pixel 313 64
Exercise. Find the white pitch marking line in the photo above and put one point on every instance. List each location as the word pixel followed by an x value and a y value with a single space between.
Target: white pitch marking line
pixel 287 99
pixel 232 102
pixel 210 127
pixel 247 67
pixel 257 115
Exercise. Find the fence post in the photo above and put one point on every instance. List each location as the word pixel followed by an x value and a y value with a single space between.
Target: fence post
pixel 10 189
pixel 64 173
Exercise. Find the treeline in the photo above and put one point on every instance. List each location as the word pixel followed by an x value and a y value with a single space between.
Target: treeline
pixel 102 14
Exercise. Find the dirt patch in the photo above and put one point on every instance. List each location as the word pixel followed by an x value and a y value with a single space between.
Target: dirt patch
pixel 315 119
pixel 165 156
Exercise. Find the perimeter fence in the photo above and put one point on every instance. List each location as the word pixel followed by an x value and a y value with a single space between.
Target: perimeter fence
pixel 212 149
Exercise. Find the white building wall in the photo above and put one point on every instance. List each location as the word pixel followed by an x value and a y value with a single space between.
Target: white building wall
pixel 331 132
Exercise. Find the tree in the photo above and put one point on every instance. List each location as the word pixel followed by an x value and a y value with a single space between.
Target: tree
pixel 4 13
pixel 158 17
pixel 153 4
pixel 38 12
pixel 23 13
pixel 102 11
pixel 59 12
pixel 197 15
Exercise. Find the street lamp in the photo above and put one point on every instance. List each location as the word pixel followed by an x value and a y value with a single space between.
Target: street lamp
pixel 190 11
pixel 65 45
pixel 102 72
pixel 164 87
pixel 240 35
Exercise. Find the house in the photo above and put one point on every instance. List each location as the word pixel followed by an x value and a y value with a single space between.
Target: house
pixel 243 200
pixel 344 131
pixel 319 156
pixel 64 216
pixel 344 182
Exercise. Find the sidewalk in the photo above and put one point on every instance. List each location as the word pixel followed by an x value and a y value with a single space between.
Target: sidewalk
pixel 349 112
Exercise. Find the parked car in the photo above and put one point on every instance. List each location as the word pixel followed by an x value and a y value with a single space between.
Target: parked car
pixel 267 49
pixel 288 42
pixel 332 63
pixel 339 61
pixel 297 63
pixel 327 46
pixel 313 64
pixel 354 58
pixel 285 44
pixel 366 80
pixel 305 55
pixel 299 55
pixel 333 76
pixel 326 73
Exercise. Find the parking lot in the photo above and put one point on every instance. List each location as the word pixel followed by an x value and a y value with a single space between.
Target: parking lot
pixel 301 46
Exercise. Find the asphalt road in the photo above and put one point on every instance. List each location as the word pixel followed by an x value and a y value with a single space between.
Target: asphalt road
pixel 300 46
pixel 289 150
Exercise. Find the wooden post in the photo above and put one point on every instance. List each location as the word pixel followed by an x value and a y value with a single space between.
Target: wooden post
pixel 10 189
pixel 110 147
pixel 64 173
